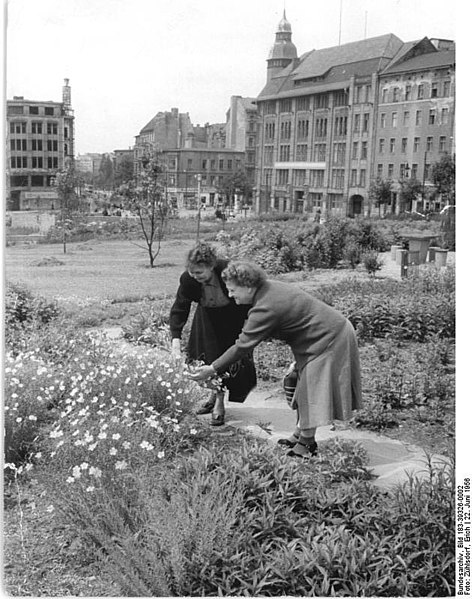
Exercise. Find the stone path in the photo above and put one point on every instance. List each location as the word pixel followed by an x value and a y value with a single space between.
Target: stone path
pixel 391 461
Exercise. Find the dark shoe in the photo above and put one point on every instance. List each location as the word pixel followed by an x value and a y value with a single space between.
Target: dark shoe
pixel 206 407
pixel 217 419
pixel 288 442
pixel 300 450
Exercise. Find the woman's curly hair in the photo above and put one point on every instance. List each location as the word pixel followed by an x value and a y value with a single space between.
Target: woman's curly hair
pixel 202 253
pixel 244 274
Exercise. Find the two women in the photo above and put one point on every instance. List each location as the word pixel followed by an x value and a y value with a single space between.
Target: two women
pixel 322 340
pixel 216 324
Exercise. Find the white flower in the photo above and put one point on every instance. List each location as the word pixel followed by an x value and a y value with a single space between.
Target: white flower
pixel 121 465
pixel 146 445
pixel 126 444
pixel 76 472
pixel 55 434
pixel 113 451
pixel 90 489
pixel 193 431
pixel 160 454
pixel 19 420
pixel 102 435
pixel 84 466
pixel 95 472
pixel 70 479
pixel 50 508
pixel 116 436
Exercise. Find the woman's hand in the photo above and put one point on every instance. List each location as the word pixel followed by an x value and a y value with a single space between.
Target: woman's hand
pixel 202 373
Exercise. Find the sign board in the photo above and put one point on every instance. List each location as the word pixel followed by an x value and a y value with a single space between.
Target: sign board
pixel 43 195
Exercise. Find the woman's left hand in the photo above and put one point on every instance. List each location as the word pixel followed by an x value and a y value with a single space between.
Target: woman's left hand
pixel 202 373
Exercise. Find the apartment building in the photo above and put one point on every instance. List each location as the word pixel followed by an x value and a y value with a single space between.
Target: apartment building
pixel 320 117
pixel 40 142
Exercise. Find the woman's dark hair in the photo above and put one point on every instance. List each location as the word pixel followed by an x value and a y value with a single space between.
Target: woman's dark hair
pixel 244 274
pixel 202 253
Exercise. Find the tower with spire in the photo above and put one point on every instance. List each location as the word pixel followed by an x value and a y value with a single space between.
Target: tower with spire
pixel 283 52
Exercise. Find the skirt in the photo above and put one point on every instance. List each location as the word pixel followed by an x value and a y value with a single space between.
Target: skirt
pixel 213 331
pixel 329 385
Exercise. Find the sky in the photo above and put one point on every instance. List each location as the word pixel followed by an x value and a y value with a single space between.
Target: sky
pixel 127 60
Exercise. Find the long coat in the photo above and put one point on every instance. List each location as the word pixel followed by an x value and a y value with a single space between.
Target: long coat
pixel 324 345
pixel 213 330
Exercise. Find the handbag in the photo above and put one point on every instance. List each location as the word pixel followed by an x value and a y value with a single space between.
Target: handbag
pixel 240 379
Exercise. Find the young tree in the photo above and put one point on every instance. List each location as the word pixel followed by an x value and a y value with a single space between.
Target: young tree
pixel 66 182
pixel 380 192
pixel 236 183
pixel 124 172
pixel 410 189
pixel 146 197
pixel 444 177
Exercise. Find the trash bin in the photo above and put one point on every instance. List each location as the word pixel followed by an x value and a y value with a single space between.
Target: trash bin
pixel 440 257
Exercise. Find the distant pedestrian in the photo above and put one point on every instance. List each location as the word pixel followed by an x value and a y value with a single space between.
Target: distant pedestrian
pixel 317 217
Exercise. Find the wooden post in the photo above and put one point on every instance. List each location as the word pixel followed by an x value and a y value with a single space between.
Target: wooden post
pixel 403 256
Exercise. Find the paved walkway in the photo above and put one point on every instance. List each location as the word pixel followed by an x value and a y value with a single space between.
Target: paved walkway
pixel 391 461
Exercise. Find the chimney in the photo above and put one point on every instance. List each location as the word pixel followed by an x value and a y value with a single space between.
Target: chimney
pixel 66 97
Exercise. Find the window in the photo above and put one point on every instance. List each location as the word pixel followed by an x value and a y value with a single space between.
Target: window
pixel 383 120
pixel 365 123
pixel 355 150
pixel 286 105
pixel 418 118
pixel 396 94
pixel 434 90
pixel 282 177
pixel 204 164
pixel 37 162
pixel 406 118
pixel 394 119
pixel 299 177
pixel 357 123
pixel 416 144
pixel 341 98
pixel 429 144
pixel 36 127
pixel 340 126
pixel 15 110
pixel 414 171
pixel 303 103
pixel 37 181
pixel 52 129
pixel 364 150
pixel 432 116
pixel 427 171
pixel 392 145
pixel 319 152
pixel 317 178
pixel 368 89
pixel 381 145
pixel 49 111
pixel 302 129
pixel 18 162
pixel 444 116
pixel 338 178
pixel 221 163
pixel 380 168
pixel 269 130
pixel 284 153
pixel 269 107
pixel 321 101
pixel 302 152
pixel 37 145
pixel 321 127
pixel 384 95
pixel 285 130
pixel 420 95
pixel 17 127
pixel 390 171
pixel 230 165
pixel 446 89
pixel 408 92
pixel 268 155
pixel 404 144
pixel 442 143
pixel 339 153
pixel 52 145
pixel 213 164
pixel 404 170
pixel 363 178
pixel 34 109
pixel 238 161
pixel 19 181
pixel 353 181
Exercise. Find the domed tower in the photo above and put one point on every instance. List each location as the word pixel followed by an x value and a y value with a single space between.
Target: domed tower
pixel 283 51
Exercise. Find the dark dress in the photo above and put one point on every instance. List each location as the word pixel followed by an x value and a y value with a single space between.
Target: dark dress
pixel 214 329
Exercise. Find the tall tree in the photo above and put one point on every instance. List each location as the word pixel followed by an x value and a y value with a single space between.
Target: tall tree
pixel 410 189
pixel 237 183
pixel 105 172
pixel 124 172
pixel 146 197
pixel 444 177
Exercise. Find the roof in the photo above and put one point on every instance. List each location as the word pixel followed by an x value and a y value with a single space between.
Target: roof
pixel 333 65
pixel 421 62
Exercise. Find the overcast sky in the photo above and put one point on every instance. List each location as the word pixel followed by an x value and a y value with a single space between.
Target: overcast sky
pixel 129 59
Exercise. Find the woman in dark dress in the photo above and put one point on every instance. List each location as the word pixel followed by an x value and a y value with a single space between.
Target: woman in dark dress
pixel 216 325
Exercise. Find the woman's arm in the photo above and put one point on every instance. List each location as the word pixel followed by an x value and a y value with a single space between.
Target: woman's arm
pixel 180 309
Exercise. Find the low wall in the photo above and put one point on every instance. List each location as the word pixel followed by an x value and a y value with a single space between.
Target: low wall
pixel 29 219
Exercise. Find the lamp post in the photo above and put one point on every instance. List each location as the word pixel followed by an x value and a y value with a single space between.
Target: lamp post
pixel 199 179
pixel 424 180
